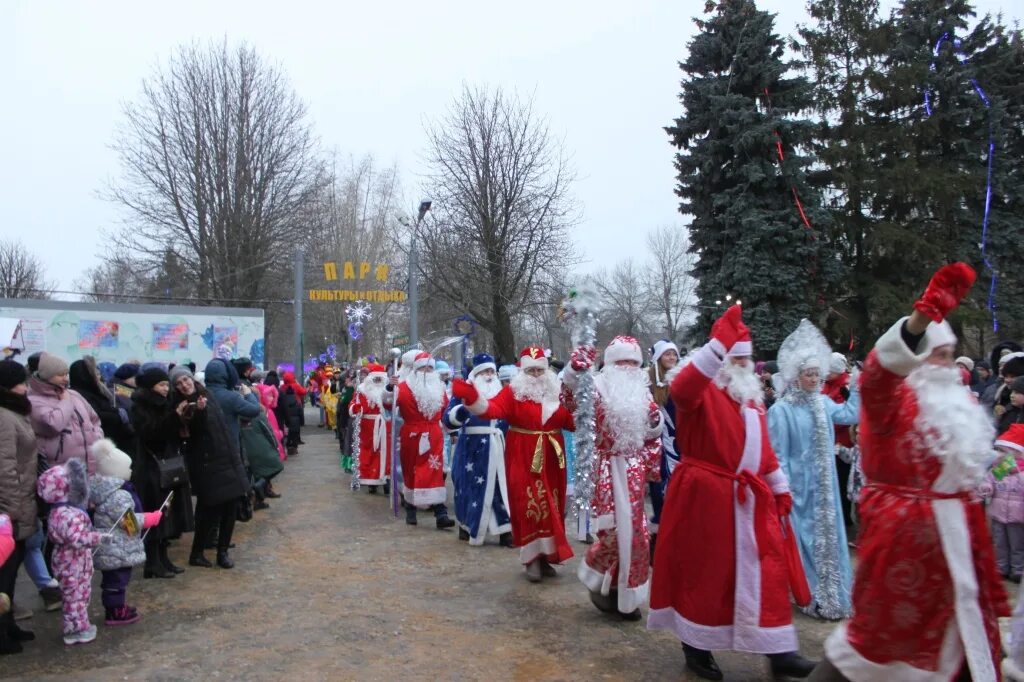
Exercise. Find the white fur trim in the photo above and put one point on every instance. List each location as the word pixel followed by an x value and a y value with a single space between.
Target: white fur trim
pixel 894 355
pixel 1009 444
pixel 661 347
pixel 778 482
pixel 424 497
pixel 757 640
pixel 536 548
pixel 939 334
pixel 621 350
pixel 741 349
pixel 526 362
pixel 628 598
pixel 747 595
pixel 856 668
pixel 706 360
pixel 481 367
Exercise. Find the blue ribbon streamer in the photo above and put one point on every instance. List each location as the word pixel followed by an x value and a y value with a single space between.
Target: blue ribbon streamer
pixel 962 58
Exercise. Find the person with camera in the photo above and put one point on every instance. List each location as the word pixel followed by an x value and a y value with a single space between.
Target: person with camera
pixel 215 465
pixel 158 427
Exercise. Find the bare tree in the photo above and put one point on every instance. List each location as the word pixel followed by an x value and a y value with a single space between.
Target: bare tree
pixel 22 274
pixel 626 307
pixel 502 210
pixel 219 164
pixel 670 285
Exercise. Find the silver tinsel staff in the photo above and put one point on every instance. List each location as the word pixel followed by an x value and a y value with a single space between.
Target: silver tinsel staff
pixel 356 447
pixel 578 314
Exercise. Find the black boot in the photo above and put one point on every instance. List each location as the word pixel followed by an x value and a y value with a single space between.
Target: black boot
pixel 791 664
pixel 17 634
pixel 154 568
pixel 654 542
pixel 603 602
pixel 463 534
pixel 8 644
pixel 372 489
pixel 223 560
pixel 702 663
pixel 165 560
pixel 387 488
pixel 199 560
pixel 270 492
pixel 505 540
pixel 441 517
pixel 410 514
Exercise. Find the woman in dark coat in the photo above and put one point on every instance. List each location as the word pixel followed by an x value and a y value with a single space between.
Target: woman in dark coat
pixel 114 421
pixel 158 427
pixel 215 465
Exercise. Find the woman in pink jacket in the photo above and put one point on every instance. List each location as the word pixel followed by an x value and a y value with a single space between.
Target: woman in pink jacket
pixel 268 398
pixel 65 424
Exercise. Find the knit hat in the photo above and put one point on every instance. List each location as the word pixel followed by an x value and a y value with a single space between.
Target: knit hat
pixel 623 348
pixel 1013 367
pixel 110 461
pixel 837 364
pixel 12 374
pixel 1017 386
pixel 178 372
pixel 966 362
pixel 126 371
pixel 1012 438
pixel 661 347
pixel 151 377
pixel 51 366
pixel 983 364
pixel 533 356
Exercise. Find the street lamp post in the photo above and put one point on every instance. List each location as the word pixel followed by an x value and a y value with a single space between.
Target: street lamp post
pixel 414 289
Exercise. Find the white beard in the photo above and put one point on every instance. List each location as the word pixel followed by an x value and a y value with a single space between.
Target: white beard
pixel 952 425
pixel 374 392
pixel 625 402
pixel 741 383
pixel 487 387
pixel 542 389
pixel 428 390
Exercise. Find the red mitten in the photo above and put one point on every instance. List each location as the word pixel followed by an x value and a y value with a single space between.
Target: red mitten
pixel 152 519
pixel 945 291
pixel 784 504
pixel 582 358
pixel 729 327
pixel 465 391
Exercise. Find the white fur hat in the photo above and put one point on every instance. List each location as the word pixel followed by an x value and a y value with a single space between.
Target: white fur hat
pixel 623 348
pixel 938 334
pixel 110 461
pixel 837 364
pixel 660 347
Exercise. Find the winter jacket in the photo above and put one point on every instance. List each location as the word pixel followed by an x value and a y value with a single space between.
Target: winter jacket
pixel 290 400
pixel 221 382
pixel 67 489
pixel 1013 415
pixel 215 464
pixel 18 465
pixel 157 428
pixel 260 447
pixel 64 423
pixel 111 498
pixel 114 421
pixel 1006 498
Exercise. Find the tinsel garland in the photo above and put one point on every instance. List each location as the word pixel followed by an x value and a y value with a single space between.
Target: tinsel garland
pixel 578 314
pixel 826 601
pixel 356 447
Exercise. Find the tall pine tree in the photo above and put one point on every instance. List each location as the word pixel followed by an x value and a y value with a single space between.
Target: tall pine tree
pixel 843 48
pixel 747 232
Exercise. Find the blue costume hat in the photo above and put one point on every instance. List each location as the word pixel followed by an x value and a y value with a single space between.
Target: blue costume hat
pixel 482 361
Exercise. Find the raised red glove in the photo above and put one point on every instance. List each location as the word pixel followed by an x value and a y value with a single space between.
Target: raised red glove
pixel 465 390
pixel 582 358
pixel 729 327
pixel 947 288
pixel 784 504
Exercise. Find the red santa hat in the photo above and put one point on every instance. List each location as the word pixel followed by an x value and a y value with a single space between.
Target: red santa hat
pixel 623 348
pixel 1012 439
pixel 743 347
pixel 423 359
pixel 376 370
pixel 533 356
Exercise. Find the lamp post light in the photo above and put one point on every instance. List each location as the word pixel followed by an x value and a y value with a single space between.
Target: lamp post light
pixel 414 292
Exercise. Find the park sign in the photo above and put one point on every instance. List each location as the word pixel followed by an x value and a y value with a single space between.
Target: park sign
pixel 352 276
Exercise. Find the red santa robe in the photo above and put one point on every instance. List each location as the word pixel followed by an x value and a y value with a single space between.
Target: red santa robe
pixel 374 439
pixel 833 388
pixel 926 589
pixel 421 450
pixel 720 573
pixel 617 512
pixel 535 470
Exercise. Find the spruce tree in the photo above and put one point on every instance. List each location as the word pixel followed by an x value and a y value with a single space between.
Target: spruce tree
pixel 747 231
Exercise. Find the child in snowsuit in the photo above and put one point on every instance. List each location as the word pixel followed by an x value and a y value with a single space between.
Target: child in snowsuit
pixel 1004 493
pixel 1011 444
pixel 117 506
pixel 66 487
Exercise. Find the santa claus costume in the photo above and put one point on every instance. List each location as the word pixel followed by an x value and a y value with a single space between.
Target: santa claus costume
pixel 534 459
pixel 374 429
pixel 421 400
pixel 478 465
pixel 720 573
pixel 927 593
pixel 617 566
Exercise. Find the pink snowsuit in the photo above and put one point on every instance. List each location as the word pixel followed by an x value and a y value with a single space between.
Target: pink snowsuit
pixel 268 396
pixel 66 487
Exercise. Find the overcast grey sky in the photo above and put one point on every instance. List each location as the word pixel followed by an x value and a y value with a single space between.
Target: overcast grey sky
pixel 603 72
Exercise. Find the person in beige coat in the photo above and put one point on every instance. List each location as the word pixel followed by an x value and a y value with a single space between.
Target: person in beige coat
pixel 17 487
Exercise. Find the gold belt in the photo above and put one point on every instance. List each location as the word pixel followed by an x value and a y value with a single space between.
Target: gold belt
pixel 538 451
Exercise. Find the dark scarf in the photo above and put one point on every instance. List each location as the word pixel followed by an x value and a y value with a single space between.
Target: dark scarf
pixel 15 402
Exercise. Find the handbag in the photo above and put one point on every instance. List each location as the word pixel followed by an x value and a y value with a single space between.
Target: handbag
pixel 173 472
